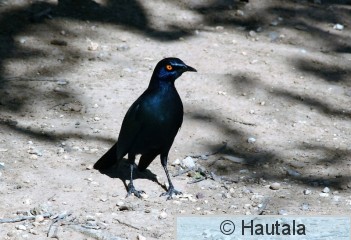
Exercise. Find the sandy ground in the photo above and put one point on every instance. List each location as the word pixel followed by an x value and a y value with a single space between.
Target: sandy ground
pixel 273 87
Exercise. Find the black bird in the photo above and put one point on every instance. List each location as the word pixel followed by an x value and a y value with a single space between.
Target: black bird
pixel 151 124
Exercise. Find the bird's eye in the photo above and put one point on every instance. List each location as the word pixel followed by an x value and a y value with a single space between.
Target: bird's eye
pixel 169 67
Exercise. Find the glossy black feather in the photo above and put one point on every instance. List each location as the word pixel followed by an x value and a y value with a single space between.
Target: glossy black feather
pixel 152 122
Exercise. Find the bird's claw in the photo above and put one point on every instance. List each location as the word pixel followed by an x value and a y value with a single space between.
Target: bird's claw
pixel 136 193
pixel 170 192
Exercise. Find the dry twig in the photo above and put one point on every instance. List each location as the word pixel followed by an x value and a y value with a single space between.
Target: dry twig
pixel 22 218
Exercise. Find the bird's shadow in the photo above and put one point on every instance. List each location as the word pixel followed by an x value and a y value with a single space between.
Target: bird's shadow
pixel 122 171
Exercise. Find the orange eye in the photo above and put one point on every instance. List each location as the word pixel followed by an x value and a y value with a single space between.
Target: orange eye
pixel 169 67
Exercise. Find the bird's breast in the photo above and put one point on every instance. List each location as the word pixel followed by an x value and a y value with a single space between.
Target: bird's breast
pixel 165 109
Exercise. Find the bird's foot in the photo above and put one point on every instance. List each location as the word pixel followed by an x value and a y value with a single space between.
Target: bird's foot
pixel 170 192
pixel 136 193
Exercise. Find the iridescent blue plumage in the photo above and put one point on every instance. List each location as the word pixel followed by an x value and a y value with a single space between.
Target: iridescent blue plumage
pixel 151 123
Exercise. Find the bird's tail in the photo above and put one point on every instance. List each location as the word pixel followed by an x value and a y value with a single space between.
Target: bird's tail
pixel 108 159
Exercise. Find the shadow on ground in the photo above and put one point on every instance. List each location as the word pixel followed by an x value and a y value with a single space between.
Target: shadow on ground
pixel 122 172
pixel 254 157
pixel 132 15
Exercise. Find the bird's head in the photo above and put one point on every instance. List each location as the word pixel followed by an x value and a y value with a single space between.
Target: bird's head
pixel 169 69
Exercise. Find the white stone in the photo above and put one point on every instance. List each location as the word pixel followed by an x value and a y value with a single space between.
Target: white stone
pixel 162 215
pixel 275 186
pixel 188 162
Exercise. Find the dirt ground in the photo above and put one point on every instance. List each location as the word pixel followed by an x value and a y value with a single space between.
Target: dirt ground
pixel 270 105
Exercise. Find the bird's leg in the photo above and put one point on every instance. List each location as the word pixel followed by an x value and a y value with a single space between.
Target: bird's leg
pixel 131 188
pixel 171 189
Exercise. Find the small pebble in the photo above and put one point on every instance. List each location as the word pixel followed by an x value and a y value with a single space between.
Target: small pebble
pixel 103 199
pixel 239 13
pixel 247 191
pixel 89 167
pixel 144 196
pixel 89 218
pixel 141 237
pixel 326 190
pixel 22 40
pixel 292 172
pixel 307 192
pixel 162 215
pixel 33 157
pixel 93 150
pixel 120 203
pixel 338 26
pixel 324 194
pixel 226 195
pixel 282 212
pixel 124 208
pixel 200 195
pixel 93 46
pixel 21 227
pixel 188 162
pixel 251 140
pixel 39 218
pixel 204 157
pixel 62 82
pixel 252 33
pixel 247 206
pixel 275 186
pixel 33 231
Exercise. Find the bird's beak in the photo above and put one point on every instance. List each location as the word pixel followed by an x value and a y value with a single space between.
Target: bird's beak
pixel 189 69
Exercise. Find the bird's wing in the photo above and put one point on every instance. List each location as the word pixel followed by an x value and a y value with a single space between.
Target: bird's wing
pixel 131 126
